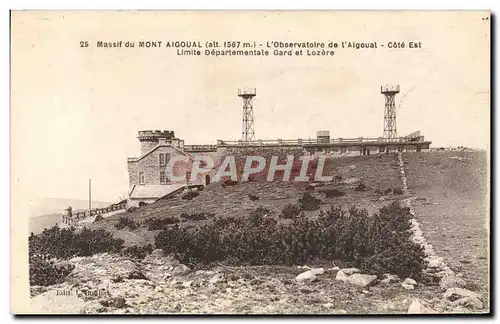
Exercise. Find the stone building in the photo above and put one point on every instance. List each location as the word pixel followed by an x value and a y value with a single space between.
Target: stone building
pixel 148 176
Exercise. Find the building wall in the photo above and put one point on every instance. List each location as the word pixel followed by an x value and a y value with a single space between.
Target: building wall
pixel 147 146
pixel 150 165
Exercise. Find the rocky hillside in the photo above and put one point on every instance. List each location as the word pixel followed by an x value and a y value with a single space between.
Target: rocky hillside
pixel 161 285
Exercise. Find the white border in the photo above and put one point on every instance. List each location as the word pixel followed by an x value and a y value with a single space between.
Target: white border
pixel 204 5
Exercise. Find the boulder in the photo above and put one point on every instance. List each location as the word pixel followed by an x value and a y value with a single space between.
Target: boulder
pixel 361 280
pixel 454 294
pixel 305 276
pixel 317 271
pixel 341 276
pixel 215 279
pixel 350 271
pixel 181 270
pixel 389 278
pixel 469 302
pixel 409 281
pixel 418 307
pixel 407 286
pixel 452 281
pixel 436 263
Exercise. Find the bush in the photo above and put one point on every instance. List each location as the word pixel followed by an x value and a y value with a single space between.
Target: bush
pixel 190 195
pixel 66 243
pixel 197 216
pixel 154 223
pixel 290 211
pixel 260 212
pixel 44 273
pixel 137 252
pixel 360 187
pixel 229 183
pixel 309 203
pixel 126 222
pixel 377 244
pixel 56 243
pixel 397 191
pixel 332 193
pixel 98 218
pixel 253 197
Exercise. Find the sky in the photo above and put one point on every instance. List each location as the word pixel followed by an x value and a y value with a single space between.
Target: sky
pixel 75 112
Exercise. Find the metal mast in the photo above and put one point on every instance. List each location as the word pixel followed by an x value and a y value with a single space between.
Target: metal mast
pixel 390 130
pixel 248 131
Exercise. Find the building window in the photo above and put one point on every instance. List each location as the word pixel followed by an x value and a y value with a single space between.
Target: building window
pixel 141 178
pixel 164 158
pixel 162 177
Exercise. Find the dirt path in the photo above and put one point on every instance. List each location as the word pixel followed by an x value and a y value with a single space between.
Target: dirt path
pixel 451 205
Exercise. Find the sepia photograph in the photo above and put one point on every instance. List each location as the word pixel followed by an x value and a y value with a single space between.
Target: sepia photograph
pixel 250 162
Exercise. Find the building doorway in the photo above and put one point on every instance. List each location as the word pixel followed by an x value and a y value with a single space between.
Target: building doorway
pixel 207 180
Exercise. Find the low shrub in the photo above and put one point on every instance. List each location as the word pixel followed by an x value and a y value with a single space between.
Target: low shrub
pixel 290 211
pixel 338 178
pixel 253 197
pixel 138 252
pixel 360 187
pixel 43 272
pixel 260 212
pixel 66 243
pixel 56 243
pixel 131 209
pixel 377 244
pixel 309 188
pixel 332 193
pixel 190 195
pixel 397 191
pixel 98 218
pixel 229 183
pixel 309 203
pixel 154 223
pixel 196 216
pixel 126 222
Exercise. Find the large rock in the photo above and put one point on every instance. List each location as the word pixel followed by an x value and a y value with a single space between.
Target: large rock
pixel 454 294
pixel 181 270
pixel 407 286
pixel 341 276
pixel 389 278
pixel 361 280
pixel 409 281
pixel 305 276
pixel 436 263
pixel 452 281
pixel 317 271
pixel 418 307
pixel 469 302
pixel 350 271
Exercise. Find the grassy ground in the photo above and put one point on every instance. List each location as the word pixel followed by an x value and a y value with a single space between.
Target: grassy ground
pixel 451 205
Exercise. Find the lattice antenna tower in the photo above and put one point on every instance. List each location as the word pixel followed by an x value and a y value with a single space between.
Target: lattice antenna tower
pixel 248 130
pixel 390 129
